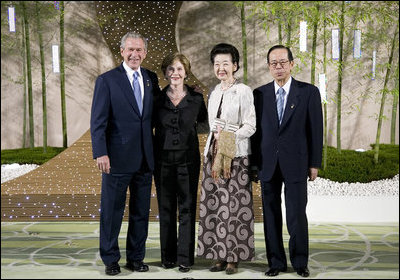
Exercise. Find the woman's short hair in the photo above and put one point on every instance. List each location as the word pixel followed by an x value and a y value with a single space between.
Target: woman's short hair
pixel 171 58
pixel 224 48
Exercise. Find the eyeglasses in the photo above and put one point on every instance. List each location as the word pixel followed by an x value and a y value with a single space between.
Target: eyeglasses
pixel 283 63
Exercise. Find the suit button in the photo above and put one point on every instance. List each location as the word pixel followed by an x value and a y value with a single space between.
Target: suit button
pixel 175 142
pixel 173 120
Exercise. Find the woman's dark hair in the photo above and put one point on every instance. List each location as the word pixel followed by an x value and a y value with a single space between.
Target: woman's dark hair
pixel 224 48
pixel 290 55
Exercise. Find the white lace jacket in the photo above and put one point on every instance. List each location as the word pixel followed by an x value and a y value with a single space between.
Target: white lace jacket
pixel 237 108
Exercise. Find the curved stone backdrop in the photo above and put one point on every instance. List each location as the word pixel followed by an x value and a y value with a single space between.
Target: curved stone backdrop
pixel 68 186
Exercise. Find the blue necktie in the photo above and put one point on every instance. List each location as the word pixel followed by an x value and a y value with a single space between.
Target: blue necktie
pixel 279 103
pixel 137 92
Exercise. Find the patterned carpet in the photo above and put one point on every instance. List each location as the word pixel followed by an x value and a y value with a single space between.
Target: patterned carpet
pixel 50 250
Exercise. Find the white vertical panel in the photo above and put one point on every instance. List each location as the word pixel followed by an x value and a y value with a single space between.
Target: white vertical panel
pixel 303 36
pixel 56 59
pixel 11 18
pixel 357 44
pixel 322 87
pixel 335 44
pixel 373 64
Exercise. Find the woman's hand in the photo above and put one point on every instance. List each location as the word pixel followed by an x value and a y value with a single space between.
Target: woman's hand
pixel 214 175
pixel 227 173
pixel 218 132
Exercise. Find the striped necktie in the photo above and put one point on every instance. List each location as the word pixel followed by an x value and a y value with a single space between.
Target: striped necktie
pixel 137 92
pixel 279 103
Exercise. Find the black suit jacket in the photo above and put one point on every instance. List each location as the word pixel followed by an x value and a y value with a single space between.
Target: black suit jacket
pixel 117 128
pixel 297 143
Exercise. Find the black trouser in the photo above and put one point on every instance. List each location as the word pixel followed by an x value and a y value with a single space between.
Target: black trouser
pixel 113 198
pixel 176 177
pixel 296 221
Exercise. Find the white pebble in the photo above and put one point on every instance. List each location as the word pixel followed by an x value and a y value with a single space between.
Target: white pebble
pixel 11 171
pixel 321 186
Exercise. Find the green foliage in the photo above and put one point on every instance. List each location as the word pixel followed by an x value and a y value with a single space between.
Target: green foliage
pixel 29 156
pixel 351 166
pixel 347 166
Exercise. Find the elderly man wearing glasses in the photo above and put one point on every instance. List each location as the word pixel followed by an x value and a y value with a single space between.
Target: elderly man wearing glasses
pixel 286 149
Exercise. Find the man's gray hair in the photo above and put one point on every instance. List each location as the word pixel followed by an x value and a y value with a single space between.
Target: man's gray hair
pixel 132 34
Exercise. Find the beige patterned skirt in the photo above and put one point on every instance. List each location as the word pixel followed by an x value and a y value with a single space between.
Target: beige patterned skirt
pixel 226 223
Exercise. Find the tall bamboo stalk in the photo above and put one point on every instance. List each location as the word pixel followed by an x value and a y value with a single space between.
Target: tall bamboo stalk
pixel 29 72
pixel 314 43
pixel 384 93
pixel 394 106
pixel 62 76
pixel 23 54
pixel 244 41
pixel 289 32
pixel 340 75
pixel 325 153
pixel 42 64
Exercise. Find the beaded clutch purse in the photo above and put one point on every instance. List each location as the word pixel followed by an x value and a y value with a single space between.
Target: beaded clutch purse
pixel 226 151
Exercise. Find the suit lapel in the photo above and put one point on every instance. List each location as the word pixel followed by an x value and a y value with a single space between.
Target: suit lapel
pixel 147 90
pixel 270 104
pixel 291 103
pixel 127 89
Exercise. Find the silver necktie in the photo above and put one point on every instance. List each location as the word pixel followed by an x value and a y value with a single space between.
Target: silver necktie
pixel 279 103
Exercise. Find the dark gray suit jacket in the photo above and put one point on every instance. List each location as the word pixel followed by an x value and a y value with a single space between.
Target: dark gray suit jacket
pixel 297 143
pixel 117 128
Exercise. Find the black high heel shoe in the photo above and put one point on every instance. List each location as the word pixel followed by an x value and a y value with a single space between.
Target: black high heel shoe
pixel 232 268
pixel 168 264
pixel 183 268
pixel 219 266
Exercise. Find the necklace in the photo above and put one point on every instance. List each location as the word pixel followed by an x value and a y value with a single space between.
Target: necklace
pixel 175 96
pixel 228 86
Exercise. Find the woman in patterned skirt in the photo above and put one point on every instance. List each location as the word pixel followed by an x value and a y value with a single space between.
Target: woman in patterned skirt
pixel 226 225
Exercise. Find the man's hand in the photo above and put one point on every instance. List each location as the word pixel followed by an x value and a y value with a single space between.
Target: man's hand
pixel 103 163
pixel 312 173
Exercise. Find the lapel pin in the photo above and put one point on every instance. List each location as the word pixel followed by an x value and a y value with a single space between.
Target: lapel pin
pixel 292 106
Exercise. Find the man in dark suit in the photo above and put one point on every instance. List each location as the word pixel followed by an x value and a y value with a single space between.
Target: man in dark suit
pixel 286 148
pixel 121 133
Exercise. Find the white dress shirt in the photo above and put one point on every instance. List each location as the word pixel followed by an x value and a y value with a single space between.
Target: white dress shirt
pixel 286 87
pixel 129 73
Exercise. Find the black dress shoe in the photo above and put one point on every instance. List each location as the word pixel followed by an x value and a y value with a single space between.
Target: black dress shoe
pixel 137 266
pixel 303 272
pixel 183 268
pixel 113 269
pixel 274 271
pixel 168 264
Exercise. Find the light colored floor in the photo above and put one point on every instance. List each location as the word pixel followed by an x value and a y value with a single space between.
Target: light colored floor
pixel 69 250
